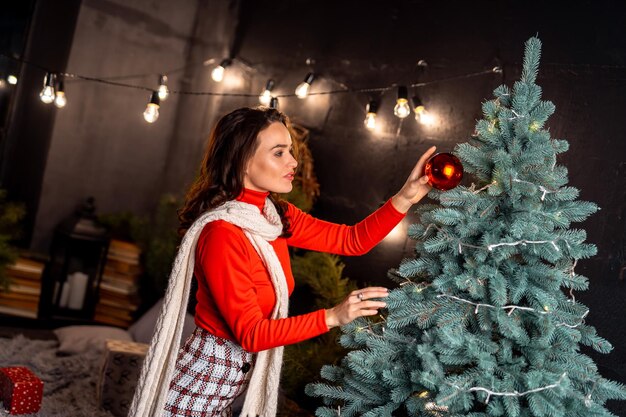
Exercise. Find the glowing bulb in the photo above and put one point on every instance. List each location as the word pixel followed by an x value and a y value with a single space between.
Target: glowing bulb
pixel 12 79
pixel 370 121
pixel 47 94
pixel 402 108
pixel 60 100
pixel 370 118
pixel 421 115
pixel 163 90
pixel 266 95
pixel 218 72
pixel 303 88
pixel 151 114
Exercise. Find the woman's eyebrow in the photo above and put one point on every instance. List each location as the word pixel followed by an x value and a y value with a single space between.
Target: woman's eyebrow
pixel 280 146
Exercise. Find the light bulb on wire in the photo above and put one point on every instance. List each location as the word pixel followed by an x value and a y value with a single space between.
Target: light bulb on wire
pixel 218 72
pixel 151 114
pixel 402 108
pixel 421 114
pixel 60 100
pixel 163 90
pixel 47 93
pixel 302 90
pixel 370 118
pixel 266 95
pixel 12 79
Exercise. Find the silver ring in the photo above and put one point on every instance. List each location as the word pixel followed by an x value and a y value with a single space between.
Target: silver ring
pixel 360 296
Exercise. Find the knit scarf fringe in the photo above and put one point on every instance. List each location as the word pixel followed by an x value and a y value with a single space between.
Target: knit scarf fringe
pixel 159 363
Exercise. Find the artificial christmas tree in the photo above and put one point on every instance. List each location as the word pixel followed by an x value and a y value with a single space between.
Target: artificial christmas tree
pixel 485 322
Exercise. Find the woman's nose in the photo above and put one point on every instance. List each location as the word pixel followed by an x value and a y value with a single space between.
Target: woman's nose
pixel 293 162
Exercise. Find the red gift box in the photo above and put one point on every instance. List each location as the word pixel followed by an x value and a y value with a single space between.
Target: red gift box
pixel 20 390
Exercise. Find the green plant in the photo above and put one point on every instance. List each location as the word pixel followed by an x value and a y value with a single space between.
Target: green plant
pixel 157 236
pixel 10 216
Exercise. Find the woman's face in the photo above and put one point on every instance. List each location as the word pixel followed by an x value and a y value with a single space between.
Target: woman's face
pixel 272 167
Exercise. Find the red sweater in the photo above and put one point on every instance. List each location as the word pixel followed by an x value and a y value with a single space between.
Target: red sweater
pixel 235 294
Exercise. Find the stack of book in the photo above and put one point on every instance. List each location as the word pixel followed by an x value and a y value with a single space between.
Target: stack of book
pixel 119 285
pixel 21 298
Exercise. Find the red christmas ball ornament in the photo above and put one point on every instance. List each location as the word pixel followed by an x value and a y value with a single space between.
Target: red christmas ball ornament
pixel 444 171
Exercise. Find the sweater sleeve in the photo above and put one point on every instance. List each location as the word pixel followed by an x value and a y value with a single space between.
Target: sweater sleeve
pixel 226 261
pixel 314 234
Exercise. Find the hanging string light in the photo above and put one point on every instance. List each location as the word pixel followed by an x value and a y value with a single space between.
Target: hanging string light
pixel 47 93
pixel 218 72
pixel 402 108
pixel 421 114
pixel 12 79
pixel 164 92
pixel 60 100
pixel 274 103
pixel 302 90
pixel 266 95
pixel 151 114
pixel 370 117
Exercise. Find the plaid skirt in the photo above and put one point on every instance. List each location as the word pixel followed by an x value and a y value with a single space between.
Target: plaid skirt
pixel 210 373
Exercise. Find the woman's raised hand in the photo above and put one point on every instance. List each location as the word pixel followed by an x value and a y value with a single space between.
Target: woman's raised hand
pixel 415 187
pixel 358 303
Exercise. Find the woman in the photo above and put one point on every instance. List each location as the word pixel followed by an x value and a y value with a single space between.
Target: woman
pixel 238 233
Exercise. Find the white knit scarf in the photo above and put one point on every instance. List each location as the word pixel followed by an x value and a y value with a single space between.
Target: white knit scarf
pixel 159 364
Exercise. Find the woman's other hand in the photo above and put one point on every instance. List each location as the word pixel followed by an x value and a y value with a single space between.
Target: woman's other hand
pixel 415 187
pixel 358 304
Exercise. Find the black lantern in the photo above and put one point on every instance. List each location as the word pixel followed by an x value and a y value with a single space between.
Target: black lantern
pixel 71 279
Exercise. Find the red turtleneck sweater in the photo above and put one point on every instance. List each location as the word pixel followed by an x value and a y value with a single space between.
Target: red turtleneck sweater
pixel 235 294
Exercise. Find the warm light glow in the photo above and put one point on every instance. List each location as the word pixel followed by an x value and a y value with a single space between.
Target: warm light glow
pixel 218 73
pixel 370 121
pixel 448 170
pixel 163 90
pixel 47 94
pixel 265 97
pixel 151 114
pixel 60 100
pixel 12 79
pixel 427 119
pixel 396 235
pixel 402 108
pixel 303 90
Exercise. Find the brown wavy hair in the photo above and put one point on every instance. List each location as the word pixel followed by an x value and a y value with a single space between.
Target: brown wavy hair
pixel 231 144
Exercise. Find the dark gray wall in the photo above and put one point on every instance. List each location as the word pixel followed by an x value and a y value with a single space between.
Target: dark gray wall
pixel 100 144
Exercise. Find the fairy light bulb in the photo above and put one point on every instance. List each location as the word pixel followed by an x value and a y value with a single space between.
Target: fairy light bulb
pixel 370 117
pixel 47 93
pixel 402 108
pixel 164 92
pixel 151 114
pixel 60 100
pixel 218 72
pixel 12 79
pixel 266 95
pixel 302 90
pixel 422 116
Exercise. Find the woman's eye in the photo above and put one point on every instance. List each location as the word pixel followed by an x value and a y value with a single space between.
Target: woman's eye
pixel 279 153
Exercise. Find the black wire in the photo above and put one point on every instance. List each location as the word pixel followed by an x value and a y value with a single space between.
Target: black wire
pixel 111 81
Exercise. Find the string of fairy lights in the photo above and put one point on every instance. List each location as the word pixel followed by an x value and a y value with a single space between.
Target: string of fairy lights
pixel 53 91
